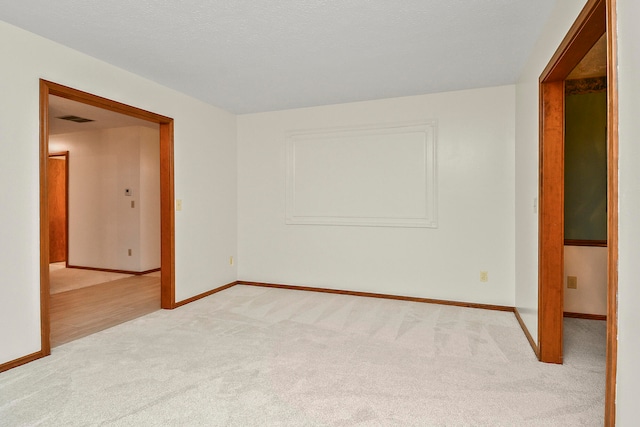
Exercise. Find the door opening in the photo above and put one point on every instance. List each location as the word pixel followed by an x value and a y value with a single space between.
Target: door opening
pixel 58 181
pixel 597 18
pixel 167 238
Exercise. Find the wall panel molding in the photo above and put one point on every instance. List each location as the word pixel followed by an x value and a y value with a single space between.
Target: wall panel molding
pixel 381 175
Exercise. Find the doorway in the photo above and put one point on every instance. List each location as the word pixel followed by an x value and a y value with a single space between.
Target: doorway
pixel 585 190
pixel 58 183
pixel 597 18
pixel 167 246
pixel 109 271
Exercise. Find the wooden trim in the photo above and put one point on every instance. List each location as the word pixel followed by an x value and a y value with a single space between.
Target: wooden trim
pixel 587 29
pixel 204 294
pixel 167 224
pixel 105 103
pixel 65 154
pixel 612 208
pixel 584 316
pixel 596 18
pixel 583 34
pixel 527 334
pixel 376 295
pixel 45 331
pixel 21 361
pixel 574 242
pixel 109 270
pixel 66 255
pixel 167 219
pixel 551 227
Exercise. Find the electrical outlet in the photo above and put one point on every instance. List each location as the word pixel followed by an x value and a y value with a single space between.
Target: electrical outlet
pixel 572 282
pixel 484 276
pixel 231 260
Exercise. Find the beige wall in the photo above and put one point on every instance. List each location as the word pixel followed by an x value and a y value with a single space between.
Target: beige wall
pixel 589 265
pixel 102 224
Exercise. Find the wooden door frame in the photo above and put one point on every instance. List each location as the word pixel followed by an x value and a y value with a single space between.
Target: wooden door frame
pixel 167 215
pixel 597 18
pixel 65 154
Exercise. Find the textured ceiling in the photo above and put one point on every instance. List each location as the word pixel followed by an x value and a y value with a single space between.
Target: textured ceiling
pixel 258 55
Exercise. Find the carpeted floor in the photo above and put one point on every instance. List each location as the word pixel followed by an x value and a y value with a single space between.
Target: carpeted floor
pixel 252 356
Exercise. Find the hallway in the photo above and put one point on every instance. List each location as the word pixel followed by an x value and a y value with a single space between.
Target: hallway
pixel 97 300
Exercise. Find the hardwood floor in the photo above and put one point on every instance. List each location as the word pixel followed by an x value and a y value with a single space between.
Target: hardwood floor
pixel 81 312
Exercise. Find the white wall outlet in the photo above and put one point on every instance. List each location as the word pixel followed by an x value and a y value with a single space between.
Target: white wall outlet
pixel 484 276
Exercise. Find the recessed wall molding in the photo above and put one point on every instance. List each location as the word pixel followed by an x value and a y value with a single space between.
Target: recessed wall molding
pixel 383 175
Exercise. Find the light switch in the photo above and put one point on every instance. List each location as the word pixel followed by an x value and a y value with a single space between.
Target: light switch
pixel 178 204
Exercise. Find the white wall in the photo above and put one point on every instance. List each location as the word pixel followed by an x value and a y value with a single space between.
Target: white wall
pixel 475 191
pixel 628 410
pixel 589 265
pixel 526 159
pixel 205 176
pixel 102 224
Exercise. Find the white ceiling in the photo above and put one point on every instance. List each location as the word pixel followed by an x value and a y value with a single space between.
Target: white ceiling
pixel 258 55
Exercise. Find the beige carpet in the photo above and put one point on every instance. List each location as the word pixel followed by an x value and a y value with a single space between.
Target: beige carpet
pixel 252 356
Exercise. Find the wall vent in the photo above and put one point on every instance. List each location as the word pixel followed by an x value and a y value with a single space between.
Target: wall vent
pixel 74 119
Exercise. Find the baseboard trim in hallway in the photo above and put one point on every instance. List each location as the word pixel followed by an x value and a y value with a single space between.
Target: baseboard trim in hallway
pixel 585 316
pixel 109 270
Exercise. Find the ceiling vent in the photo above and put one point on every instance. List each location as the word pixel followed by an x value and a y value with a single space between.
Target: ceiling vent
pixel 74 119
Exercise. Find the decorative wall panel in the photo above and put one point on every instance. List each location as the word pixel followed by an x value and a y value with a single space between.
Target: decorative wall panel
pixel 366 176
